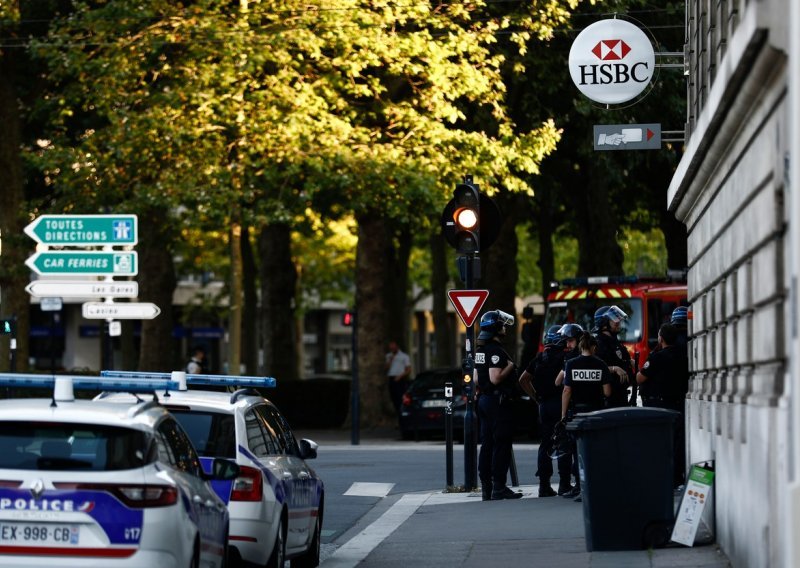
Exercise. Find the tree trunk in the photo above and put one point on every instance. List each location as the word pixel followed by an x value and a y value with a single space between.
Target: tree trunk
pixel 157 282
pixel 397 316
pixel 250 321
pixel 442 322
pixel 236 298
pixel 546 228
pixel 499 268
pixel 14 275
pixel 278 290
pixel 596 228
pixel 371 273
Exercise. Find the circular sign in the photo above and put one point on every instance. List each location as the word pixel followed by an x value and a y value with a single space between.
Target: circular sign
pixel 611 61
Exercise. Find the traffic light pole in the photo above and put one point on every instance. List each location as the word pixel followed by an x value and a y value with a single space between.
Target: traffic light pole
pixel 467 368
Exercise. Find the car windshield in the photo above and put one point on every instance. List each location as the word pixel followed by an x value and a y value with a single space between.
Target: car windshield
pixel 213 434
pixel 428 381
pixel 71 447
pixel 582 312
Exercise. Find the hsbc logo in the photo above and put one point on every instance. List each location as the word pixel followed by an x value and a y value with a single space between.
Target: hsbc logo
pixel 611 61
pixel 611 49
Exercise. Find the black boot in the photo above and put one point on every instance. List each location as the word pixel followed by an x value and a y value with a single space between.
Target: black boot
pixel 544 488
pixel 486 492
pixel 564 487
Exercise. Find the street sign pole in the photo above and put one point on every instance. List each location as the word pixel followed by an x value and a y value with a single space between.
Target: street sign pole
pixel 355 397
pixel 467 369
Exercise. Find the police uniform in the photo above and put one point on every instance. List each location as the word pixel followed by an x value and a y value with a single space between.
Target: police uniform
pixel 495 414
pixel 586 375
pixel 667 372
pixel 615 354
pixel 544 369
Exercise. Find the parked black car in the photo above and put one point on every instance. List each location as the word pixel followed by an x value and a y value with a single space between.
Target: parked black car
pixel 422 411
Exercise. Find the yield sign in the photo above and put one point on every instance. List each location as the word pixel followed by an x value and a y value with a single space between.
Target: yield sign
pixel 468 303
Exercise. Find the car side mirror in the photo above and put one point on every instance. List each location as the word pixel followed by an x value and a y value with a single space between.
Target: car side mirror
pixel 308 449
pixel 223 469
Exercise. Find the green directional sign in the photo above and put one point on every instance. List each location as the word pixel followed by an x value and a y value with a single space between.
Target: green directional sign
pixel 88 263
pixel 84 230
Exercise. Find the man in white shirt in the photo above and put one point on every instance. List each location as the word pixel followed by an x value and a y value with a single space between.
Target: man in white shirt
pixel 398 372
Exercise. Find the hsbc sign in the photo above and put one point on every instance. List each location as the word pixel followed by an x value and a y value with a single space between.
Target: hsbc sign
pixel 611 61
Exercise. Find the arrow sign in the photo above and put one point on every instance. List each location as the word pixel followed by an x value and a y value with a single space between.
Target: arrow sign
pixel 84 230
pixel 88 263
pixel 468 303
pixel 100 310
pixel 78 289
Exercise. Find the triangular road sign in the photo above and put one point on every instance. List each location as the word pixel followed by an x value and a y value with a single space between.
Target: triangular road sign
pixel 468 303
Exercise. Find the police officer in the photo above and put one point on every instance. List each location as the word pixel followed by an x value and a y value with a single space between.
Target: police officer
pixel 587 386
pixel 538 382
pixel 680 319
pixel 664 381
pixel 607 323
pixel 495 374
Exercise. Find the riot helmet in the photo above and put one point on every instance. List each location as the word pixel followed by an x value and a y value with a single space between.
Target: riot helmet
pixel 607 315
pixel 680 316
pixel 571 331
pixel 493 323
pixel 552 336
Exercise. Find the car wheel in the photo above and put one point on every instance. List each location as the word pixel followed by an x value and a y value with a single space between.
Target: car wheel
pixel 310 558
pixel 277 558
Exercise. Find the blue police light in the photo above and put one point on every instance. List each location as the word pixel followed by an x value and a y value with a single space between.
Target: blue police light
pixel 88 383
pixel 236 381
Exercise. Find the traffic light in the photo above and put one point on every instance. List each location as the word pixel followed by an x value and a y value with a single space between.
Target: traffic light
pixel 467 218
pixel 5 327
pixel 347 319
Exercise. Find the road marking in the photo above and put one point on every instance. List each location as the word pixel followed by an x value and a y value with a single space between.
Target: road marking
pixel 364 489
pixel 358 548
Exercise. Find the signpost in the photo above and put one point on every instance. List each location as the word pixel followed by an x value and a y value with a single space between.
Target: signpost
pixel 468 303
pixel 627 136
pixel 84 230
pixel 82 289
pixel 102 310
pixel 87 263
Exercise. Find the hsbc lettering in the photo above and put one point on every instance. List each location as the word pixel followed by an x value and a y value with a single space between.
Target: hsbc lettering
pixel 614 73
pixel 612 61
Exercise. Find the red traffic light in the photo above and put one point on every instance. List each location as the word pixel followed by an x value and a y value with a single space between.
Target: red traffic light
pixel 347 319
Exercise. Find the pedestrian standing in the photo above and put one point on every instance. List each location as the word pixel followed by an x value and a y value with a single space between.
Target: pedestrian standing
pixel 496 376
pixel 587 387
pixel 664 381
pixel 196 364
pixel 538 382
pixel 607 324
pixel 398 372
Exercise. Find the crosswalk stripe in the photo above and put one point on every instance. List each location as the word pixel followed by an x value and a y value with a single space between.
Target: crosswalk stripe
pixel 365 489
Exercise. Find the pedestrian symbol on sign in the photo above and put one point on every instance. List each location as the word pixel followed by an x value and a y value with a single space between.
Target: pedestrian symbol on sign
pixel 122 230
pixel 122 263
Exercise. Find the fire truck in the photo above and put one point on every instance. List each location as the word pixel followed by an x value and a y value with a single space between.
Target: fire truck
pixel 647 301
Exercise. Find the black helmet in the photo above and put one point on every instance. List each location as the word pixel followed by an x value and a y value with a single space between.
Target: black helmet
pixel 552 336
pixel 561 445
pixel 492 322
pixel 606 314
pixel 570 331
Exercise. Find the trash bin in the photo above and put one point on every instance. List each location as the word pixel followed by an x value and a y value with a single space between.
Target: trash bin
pixel 625 463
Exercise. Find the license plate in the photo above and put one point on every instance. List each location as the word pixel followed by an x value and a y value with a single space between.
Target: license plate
pixel 44 534
pixel 436 403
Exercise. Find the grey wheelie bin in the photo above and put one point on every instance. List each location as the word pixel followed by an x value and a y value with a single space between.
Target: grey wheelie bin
pixel 625 463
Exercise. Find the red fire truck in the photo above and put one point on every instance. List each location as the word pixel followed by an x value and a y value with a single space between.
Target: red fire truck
pixel 647 301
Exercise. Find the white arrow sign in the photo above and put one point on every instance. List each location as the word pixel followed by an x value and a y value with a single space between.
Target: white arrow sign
pixel 79 289
pixel 100 310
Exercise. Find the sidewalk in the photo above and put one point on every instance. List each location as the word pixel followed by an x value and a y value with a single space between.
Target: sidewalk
pixel 459 530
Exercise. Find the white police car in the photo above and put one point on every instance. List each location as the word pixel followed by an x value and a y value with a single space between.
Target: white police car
pixel 86 483
pixel 276 503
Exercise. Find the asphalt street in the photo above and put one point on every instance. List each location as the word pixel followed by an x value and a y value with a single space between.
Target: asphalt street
pixel 380 514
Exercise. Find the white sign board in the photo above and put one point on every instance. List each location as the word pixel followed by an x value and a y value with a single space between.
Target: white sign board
pixel 695 497
pixel 51 304
pixel 100 310
pixel 611 61
pixel 115 329
pixel 82 289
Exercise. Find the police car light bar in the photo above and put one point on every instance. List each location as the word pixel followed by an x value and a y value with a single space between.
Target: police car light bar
pixel 238 381
pixel 64 385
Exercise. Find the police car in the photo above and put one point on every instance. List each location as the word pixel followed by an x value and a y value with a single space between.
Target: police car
pixel 87 483
pixel 276 502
